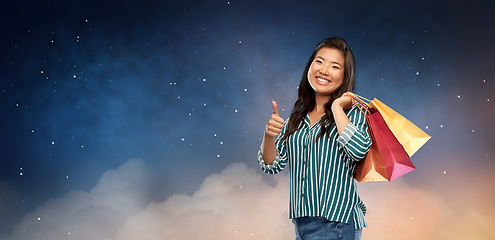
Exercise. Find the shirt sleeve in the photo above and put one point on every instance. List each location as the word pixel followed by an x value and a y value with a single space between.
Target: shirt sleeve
pixel 280 160
pixel 355 139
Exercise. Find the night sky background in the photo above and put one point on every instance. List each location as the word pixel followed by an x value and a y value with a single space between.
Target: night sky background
pixel 143 119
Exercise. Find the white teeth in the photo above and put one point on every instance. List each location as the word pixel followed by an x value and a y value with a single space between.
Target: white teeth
pixel 322 80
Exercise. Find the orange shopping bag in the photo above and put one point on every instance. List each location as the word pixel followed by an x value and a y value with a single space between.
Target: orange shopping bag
pixel 371 169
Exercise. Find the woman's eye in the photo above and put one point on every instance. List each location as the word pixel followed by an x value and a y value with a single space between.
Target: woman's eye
pixel 336 67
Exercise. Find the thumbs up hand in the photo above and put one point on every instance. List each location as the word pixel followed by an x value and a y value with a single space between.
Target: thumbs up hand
pixel 274 126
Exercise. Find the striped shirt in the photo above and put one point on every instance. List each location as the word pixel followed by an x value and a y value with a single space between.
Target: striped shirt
pixel 322 173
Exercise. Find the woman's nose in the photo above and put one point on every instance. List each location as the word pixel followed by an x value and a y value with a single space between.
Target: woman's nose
pixel 324 71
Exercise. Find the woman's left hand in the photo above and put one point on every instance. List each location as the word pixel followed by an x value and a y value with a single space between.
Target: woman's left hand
pixel 343 102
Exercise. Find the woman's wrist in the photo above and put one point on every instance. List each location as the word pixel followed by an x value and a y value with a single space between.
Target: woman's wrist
pixel 336 106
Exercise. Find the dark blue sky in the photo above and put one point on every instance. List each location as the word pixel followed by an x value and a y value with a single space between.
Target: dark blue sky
pixel 186 85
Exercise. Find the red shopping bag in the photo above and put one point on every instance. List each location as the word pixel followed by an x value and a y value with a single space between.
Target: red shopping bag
pixel 395 158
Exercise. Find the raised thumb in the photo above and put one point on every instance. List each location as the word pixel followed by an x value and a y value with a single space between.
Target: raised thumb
pixel 275 107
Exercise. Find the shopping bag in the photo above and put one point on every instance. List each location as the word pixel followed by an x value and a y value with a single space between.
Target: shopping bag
pixel 409 135
pixel 387 159
pixel 395 158
pixel 371 169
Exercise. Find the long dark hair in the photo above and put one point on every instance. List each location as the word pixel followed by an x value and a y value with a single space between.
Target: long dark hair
pixel 306 95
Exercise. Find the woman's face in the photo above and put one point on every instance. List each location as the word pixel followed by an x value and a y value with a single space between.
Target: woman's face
pixel 326 73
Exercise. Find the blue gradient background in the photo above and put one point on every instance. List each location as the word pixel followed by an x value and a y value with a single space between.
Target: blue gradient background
pixel 186 86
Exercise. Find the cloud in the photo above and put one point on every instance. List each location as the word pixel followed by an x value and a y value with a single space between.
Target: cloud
pixel 235 204
pixel 238 203
pixel 398 210
pixel 9 208
pixel 119 194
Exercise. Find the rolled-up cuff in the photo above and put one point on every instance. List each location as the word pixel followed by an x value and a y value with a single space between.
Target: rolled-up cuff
pixel 268 168
pixel 347 134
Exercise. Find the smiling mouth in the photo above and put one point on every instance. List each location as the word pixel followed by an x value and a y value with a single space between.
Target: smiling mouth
pixel 322 80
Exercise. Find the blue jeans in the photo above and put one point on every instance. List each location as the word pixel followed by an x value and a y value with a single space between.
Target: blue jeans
pixel 319 228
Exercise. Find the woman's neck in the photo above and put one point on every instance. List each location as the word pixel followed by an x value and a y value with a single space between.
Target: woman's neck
pixel 320 102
